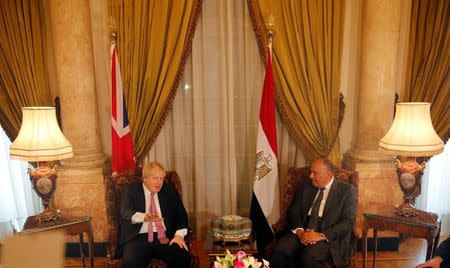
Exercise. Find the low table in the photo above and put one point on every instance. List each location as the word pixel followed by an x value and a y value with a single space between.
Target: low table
pixel 72 225
pixel 425 225
pixel 214 249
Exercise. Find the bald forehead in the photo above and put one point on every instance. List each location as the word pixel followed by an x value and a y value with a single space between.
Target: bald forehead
pixel 325 163
pixel 319 163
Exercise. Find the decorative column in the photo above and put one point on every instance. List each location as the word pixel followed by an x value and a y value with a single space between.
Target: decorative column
pixel 80 185
pixel 379 71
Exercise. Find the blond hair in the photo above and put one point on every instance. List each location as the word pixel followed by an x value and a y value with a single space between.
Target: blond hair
pixel 150 168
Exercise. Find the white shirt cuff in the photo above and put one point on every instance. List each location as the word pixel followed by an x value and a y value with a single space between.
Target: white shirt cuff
pixel 182 232
pixel 137 217
pixel 296 229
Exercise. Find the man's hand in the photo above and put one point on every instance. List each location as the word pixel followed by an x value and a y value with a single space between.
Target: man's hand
pixel 152 217
pixel 434 263
pixel 180 241
pixel 299 233
pixel 310 237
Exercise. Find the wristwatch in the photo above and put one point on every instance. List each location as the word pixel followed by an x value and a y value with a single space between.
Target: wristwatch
pixel 323 237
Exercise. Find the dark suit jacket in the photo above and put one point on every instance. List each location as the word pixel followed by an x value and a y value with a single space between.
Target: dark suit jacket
pixel 338 216
pixel 443 251
pixel 132 200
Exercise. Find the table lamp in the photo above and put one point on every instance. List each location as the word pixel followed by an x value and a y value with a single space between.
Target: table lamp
pixel 40 140
pixel 411 135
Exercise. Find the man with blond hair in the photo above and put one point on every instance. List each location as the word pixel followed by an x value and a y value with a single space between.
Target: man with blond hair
pixel 153 221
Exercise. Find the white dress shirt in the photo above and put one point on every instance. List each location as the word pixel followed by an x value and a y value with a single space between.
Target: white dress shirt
pixel 138 217
pixel 326 191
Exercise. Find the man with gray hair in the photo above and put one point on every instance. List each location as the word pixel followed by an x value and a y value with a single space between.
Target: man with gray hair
pixel 321 220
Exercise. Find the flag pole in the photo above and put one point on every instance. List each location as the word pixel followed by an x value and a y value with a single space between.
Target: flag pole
pixel 270 32
pixel 113 37
pixel 265 204
pixel 270 35
pixel 112 30
pixel 122 152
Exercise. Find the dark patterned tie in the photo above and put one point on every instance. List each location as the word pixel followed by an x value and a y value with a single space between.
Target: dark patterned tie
pixel 314 217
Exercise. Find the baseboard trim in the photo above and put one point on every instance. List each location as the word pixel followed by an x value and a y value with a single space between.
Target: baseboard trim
pixel 73 249
pixel 383 244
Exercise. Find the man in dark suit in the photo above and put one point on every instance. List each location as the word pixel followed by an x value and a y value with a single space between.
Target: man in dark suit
pixel 153 221
pixel 442 258
pixel 321 221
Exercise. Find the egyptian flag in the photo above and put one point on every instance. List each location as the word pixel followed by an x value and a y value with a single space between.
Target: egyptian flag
pixel 122 146
pixel 265 200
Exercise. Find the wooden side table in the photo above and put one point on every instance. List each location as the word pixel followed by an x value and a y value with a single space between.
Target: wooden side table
pixel 214 249
pixel 425 225
pixel 72 225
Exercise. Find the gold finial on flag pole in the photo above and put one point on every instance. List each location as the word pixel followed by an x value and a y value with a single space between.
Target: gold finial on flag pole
pixel 270 23
pixel 112 30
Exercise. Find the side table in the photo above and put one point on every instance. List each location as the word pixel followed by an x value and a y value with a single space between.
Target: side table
pixel 425 225
pixel 214 249
pixel 72 225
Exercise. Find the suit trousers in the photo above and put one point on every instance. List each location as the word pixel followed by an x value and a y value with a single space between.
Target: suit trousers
pixel 445 264
pixel 138 252
pixel 290 252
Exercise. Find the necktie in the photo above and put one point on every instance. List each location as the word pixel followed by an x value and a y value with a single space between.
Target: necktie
pixel 159 226
pixel 314 217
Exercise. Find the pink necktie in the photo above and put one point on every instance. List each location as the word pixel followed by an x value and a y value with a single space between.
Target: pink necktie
pixel 159 226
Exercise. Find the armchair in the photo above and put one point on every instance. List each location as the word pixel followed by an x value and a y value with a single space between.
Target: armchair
pixel 295 178
pixel 114 184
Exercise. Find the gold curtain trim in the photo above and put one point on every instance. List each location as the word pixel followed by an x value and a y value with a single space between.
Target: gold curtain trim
pixel 187 49
pixel 259 25
pixel 298 137
pixel 260 28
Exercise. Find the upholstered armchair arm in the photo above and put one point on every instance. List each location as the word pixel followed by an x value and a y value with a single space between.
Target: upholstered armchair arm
pixel 279 226
pixel 112 217
pixel 111 248
pixel 113 186
pixel 189 237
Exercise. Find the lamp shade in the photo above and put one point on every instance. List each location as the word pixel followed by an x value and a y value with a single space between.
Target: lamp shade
pixel 412 133
pixel 40 138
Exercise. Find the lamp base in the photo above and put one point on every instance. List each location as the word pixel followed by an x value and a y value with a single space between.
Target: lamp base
pixel 43 180
pixel 48 214
pixel 406 210
pixel 409 174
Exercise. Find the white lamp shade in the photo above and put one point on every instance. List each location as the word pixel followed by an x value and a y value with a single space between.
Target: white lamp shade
pixel 412 133
pixel 40 138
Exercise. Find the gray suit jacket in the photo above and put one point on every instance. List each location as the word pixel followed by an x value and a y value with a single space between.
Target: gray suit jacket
pixel 338 217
